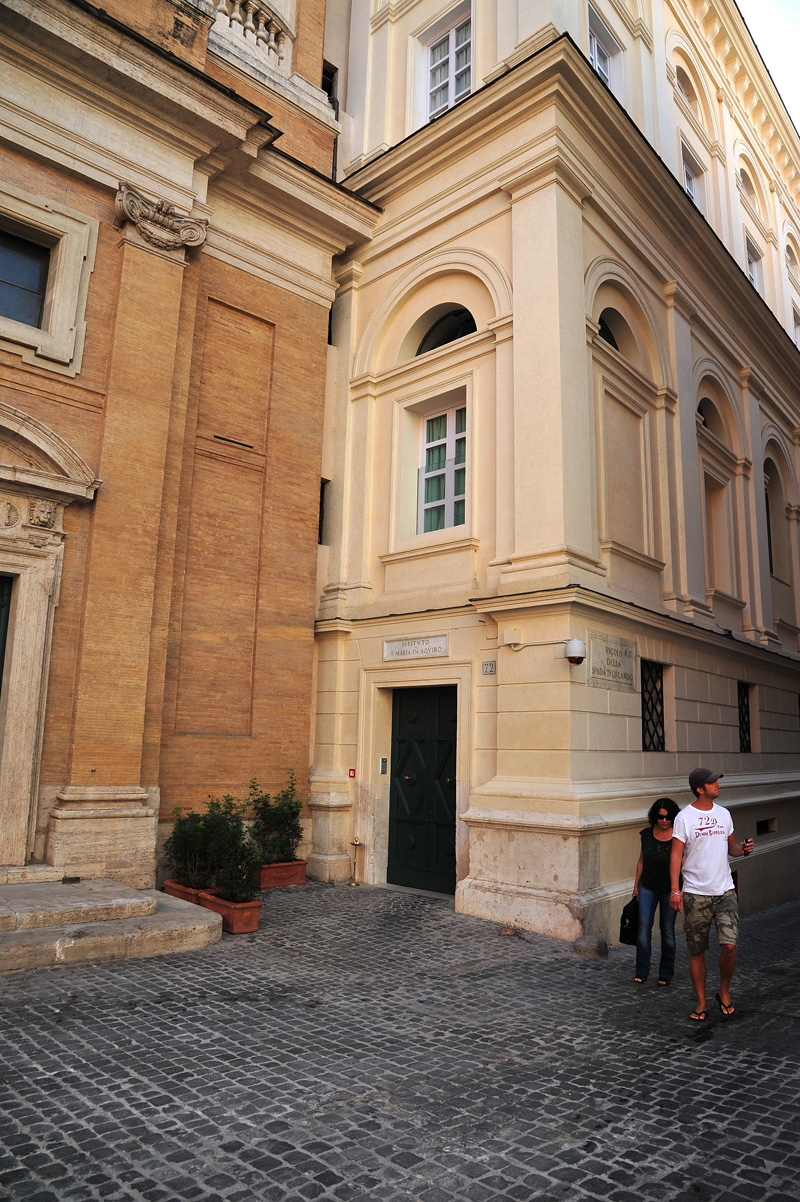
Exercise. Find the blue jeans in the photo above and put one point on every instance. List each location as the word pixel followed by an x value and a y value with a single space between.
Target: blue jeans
pixel 648 902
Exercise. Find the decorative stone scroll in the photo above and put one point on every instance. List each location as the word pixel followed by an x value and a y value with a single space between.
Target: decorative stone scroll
pixel 157 222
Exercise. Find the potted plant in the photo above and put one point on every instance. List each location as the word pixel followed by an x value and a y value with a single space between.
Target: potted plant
pixel 236 860
pixel 277 832
pixel 188 854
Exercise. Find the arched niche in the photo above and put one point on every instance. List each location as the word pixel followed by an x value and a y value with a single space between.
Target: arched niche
pixel 715 411
pixel 457 277
pixel 689 85
pixel 415 315
pixel 779 494
pixel 40 475
pixel 751 186
pixel 625 325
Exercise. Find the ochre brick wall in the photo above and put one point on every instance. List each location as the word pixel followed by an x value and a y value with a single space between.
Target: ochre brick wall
pixel 171 24
pixel 248 714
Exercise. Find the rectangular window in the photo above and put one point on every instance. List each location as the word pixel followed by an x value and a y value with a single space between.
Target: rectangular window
pixel 443 474
pixel 753 264
pixel 23 279
pixel 450 68
pixel 600 59
pixel 796 325
pixel 604 52
pixel 745 740
pixel 652 678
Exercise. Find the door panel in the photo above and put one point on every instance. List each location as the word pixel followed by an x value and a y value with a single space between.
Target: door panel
pixel 422 803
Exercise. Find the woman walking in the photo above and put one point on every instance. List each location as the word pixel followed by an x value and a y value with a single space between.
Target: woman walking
pixel 652 886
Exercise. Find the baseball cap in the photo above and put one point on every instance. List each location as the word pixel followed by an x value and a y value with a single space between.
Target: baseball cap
pixel 703 776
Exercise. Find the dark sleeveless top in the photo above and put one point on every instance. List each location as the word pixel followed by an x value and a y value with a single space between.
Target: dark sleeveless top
pixel 655 862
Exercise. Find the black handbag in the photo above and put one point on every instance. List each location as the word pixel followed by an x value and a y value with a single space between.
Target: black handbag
pixel 629 923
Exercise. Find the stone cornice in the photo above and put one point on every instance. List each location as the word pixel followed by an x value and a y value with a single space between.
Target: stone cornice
pixel 750 87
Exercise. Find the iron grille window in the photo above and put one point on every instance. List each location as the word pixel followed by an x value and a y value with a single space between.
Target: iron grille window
pixel 652 706
pixel 745 742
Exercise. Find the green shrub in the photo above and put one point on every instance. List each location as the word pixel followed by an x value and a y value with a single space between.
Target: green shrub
pixel 188 853
pixel 277 829
pixel 235 854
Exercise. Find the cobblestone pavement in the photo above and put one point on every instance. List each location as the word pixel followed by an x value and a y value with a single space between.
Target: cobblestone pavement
pixel 372 1044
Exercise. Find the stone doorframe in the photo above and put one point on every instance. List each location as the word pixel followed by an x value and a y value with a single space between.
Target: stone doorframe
pixel 33 496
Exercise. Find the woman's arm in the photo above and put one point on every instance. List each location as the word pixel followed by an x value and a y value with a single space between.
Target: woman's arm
pixel 639 866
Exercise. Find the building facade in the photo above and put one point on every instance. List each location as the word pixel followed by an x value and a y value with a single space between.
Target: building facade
pixel 563 405
pixel 167 227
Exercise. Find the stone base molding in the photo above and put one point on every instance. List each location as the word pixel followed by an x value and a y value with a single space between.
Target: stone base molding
pixel 330 858
pixel 104 831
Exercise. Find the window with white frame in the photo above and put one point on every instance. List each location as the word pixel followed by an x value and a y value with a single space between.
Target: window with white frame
pixel 692 176
pixel 450 67
pixel 796 325
pixel 604 52
pixel 753 256
pixel 443 472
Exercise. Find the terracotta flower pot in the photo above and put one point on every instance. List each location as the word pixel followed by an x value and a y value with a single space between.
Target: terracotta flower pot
pixel 291 872
pixel 238 918
pixel 173 889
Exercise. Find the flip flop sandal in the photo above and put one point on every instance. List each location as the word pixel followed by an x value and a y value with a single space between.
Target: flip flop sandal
pixel 664 984
pixel 639 980
pixel 698 1016
pixel 726 1010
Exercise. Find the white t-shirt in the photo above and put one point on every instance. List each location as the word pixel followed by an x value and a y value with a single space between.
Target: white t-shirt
pixel 705 858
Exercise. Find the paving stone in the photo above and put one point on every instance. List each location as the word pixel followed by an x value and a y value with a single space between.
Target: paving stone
pixel 371 1045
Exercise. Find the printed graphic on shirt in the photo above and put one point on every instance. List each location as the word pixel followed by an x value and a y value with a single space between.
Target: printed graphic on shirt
pixel 709 825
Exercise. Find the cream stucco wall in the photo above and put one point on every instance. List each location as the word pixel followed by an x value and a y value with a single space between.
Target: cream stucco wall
pixel 598 500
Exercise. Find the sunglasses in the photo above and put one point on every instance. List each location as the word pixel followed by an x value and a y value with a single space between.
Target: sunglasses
pixel 662 817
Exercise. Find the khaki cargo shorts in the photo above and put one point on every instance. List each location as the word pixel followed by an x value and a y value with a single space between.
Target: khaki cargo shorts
pixel 700 911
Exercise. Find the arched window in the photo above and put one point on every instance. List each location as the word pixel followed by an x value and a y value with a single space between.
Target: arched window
pixel 456 323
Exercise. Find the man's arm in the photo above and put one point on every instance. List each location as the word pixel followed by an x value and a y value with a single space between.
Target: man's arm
pixel 739 849
pixel 675 861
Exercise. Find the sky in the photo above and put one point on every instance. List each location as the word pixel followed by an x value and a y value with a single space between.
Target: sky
pixel 775 26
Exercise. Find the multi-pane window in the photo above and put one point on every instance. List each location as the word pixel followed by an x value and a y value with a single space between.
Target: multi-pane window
pixel 653 736
pixel 443 474
pixel 689 181
pixel 753 265
pixel 600 58
pixel 745 741
pixel 23 279
pixel 450 68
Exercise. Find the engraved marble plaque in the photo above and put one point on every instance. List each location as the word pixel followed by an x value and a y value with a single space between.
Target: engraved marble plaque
pixel 416 648
pixel 612 662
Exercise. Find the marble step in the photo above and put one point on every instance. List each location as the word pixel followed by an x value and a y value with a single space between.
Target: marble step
pixel 53 904
pixel 172 926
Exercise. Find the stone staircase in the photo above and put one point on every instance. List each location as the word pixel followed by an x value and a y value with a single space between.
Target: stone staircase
pixel 44 923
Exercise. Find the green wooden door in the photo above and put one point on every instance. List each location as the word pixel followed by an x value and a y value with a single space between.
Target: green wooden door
pixel 422 797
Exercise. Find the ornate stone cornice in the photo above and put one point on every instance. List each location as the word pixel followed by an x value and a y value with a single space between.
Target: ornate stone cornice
pixel 157 222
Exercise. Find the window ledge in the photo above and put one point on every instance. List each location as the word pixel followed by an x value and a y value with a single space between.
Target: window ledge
pixel 422 552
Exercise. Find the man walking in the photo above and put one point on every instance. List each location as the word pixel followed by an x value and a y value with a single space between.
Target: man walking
pixel 702 841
